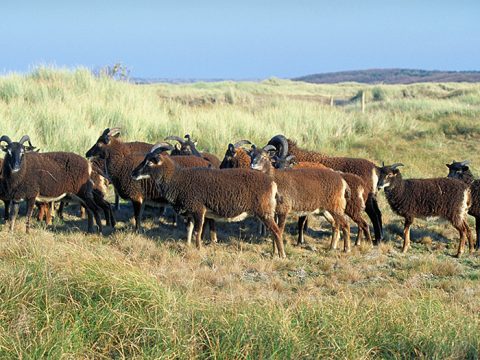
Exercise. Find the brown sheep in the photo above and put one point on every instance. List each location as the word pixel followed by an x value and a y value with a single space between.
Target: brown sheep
pixel 361 167
pixel 120 161
pixel 307 191
pixel 461 171
pixel 213 193
pixel 45 177
pixel 355 203
pixel 447 198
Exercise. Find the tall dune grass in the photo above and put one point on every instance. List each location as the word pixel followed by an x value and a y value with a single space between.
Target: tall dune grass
pixel 64 294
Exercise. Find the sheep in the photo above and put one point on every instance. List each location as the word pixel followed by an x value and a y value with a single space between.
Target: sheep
pixel 45 177
pixel 120 160
pixel 447 198
pixel 307 191
pixel 461 171
pixel 361 167
pixel 355 203
pixel 188 147
pixel 213 193
pixel 236 156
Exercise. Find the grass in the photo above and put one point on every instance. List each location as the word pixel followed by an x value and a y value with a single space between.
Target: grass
pixel 64 294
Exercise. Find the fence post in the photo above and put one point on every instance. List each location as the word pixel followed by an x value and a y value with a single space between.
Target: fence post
pixel 363 101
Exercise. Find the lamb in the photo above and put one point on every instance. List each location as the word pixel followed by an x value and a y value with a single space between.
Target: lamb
pixel 120 160
pixel 211 193
pixel 188 147
pixel 307 191
pixel 461 171
pixel 447 198
pixel 45 177
pixel 361 167
pixel 355 203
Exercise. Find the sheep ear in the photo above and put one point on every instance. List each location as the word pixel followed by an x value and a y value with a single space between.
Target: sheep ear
pixel 449 166
pixel 231 148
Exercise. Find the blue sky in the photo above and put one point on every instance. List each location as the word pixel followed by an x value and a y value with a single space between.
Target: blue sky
pixel 242 39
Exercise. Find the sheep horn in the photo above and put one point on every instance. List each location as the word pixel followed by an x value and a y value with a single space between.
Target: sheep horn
pixel 268 148
pixel 176 138
pixel 6 139
pixel 241 142
pixel 114 131
pixel 25 138
pixel 465 162
pixel 394 166
pixel 161 147
pixel 281 144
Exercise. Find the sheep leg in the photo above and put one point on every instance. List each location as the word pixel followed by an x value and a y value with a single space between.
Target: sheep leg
pixel 335 229
pixel 281 221
pixel 14 206
pixel 90 205
pixel 272 226
pixel 460 226
pixel 302 222
pixel 60 210
pixel 471 242
pixel 477 230
pixel 137 212
pixel 117 201
pixel 49 213
pixel 106 207
pixel 373 212
pixel 30 206
pixel 189 230
pixel 41 212
pixel 198 220
pixel 406 234
pixel 341 223
pixel 213 230
pixel 6 210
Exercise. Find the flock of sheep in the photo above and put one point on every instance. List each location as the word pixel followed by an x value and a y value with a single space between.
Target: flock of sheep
pixel 269 182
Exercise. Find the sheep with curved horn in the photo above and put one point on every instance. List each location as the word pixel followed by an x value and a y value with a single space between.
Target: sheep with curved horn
pixel 213 193
pixel 121 158
pixel 187 146
pixel 363 168
pixel 307 191
pixel 45 177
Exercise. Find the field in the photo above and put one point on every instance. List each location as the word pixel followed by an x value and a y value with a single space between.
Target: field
pixel 64 294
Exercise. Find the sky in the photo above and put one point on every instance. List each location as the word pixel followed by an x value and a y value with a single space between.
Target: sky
pixel 182 39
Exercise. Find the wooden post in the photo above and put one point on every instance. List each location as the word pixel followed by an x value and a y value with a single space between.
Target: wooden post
pixel 363 101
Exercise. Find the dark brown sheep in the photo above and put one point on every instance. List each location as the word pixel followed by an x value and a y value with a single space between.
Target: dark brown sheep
pixel 187 146
pixel 45 177
pixel 355 203
pixel 236 157
pixel 213 193
pixel 447 198
pixel 361 167
pixel 120 160
pixel 307 191
pixel 461 171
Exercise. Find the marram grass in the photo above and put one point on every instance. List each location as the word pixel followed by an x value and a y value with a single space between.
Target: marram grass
pixel 64 294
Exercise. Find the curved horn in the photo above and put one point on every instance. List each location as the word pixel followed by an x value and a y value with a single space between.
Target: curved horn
pixel 25 138
pixel 269 148
pixel 280 143
pixel 465 162
pixel 394 166
pixel 241 143
pixel 161 147
pixel 176 138
pixel 114 131
pixel 6 139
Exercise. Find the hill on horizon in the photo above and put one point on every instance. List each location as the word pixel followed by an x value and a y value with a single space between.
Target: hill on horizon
pixel 391 76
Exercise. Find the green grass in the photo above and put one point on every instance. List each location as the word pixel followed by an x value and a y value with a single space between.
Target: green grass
pixel 64 294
